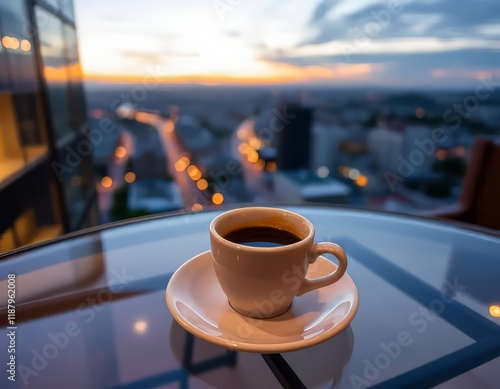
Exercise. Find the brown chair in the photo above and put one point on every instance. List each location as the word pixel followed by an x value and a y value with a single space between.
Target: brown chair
pixel 479 201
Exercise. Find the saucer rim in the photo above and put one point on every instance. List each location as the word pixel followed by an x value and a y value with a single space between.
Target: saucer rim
pixel 267 348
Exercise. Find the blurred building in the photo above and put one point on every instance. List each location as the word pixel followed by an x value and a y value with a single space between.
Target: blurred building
pixel 294 136
pixel 385 145
pixel 418 149
pixel 326 145
pixel 46 173
pixel 154 195
pixel 305 186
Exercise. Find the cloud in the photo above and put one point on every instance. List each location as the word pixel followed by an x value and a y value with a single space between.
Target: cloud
pixel 161 57
pixel 458 39
pixel 154 55
pixel 232 33
pixel 444 19
pixel 362 45
pixel 456 58
pixel 321 10
pixel 458 68
pixel 455 37
pixel 489 29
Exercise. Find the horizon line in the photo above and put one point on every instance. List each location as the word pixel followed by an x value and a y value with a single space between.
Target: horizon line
pixel 228 81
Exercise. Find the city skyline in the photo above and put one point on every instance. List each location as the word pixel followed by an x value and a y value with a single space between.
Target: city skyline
pixel 374 43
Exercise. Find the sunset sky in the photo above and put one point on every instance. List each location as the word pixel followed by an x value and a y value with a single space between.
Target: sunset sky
pixel 419 43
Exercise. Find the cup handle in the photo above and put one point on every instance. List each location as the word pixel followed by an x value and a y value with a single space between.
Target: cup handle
pixel 317 250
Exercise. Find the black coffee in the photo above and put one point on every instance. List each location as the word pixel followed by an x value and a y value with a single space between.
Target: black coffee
pixel 262 237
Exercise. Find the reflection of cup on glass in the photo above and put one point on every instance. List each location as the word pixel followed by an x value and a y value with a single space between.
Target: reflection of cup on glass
pixel 314 366
pixel 212 365
pixel 325 362
pixel 261 257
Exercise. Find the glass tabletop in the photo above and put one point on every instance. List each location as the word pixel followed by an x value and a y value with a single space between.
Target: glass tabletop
pixel 90 310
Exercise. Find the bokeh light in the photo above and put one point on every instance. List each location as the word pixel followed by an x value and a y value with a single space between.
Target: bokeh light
pixel 194 172
pixel 420 113
pixel 495 311
pixel 130 177
pixel 25 45
pixel 253 156
pixel 197 207
pixel 140 326
pixel 244 148
pixel 202 184
pixel 460 151
pixel 120 152
pixel 353 174
pixel 323 172
pixel 441 154
pixel 361 181
pixel 271 166
pixel 14 43
pixel 217 198
pixel 255 143
pixel 182 164
pixel 6 42
pixel 106 182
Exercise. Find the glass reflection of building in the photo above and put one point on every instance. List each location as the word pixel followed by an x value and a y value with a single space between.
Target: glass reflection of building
pixel 46 173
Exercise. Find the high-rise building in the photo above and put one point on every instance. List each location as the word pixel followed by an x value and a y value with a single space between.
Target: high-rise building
pixel 294 137
pixel 46 173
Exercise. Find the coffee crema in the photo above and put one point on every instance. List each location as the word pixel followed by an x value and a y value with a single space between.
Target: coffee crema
pixel 260 236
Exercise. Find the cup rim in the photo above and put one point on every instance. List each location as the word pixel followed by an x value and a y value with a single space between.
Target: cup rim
pixel 228 243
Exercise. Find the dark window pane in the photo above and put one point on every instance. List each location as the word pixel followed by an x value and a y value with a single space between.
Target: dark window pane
pixel 19 80
pixel 56 72
pixel 4 73
pixel 17 60
pixel 76 97
pixel 32 132
pixel 77 179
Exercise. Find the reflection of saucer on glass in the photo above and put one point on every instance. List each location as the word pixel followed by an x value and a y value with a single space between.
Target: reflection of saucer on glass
pixel 198 304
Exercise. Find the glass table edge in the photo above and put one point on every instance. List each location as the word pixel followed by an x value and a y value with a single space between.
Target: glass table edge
pixel 120 223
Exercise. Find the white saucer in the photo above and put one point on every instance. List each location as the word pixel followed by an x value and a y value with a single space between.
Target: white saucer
pixel 198 304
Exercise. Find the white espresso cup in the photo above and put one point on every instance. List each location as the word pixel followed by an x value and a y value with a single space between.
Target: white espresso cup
pixel 261 282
